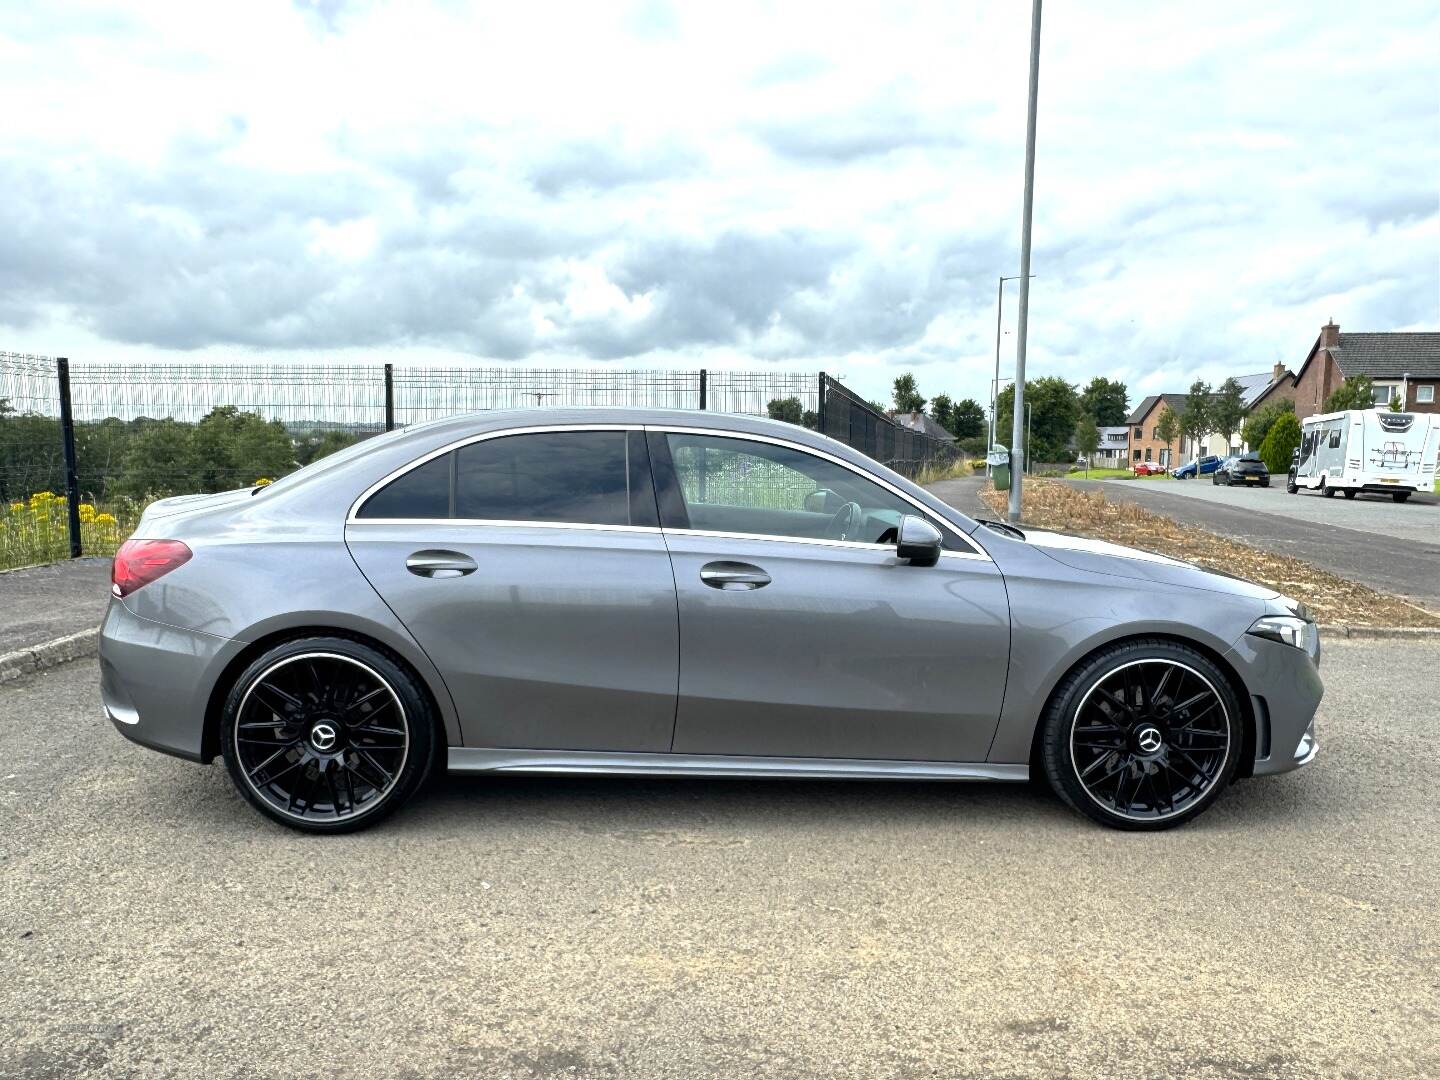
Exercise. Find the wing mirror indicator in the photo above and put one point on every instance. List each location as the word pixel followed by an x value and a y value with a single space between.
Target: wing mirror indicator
pixel 918 541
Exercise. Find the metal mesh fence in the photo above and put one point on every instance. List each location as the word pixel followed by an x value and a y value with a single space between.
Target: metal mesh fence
pixel 143 431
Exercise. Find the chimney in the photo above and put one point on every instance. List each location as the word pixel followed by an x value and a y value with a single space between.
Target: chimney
pixel 1329 335
pixel 1277 372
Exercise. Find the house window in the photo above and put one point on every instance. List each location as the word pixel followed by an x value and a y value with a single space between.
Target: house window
pixel 1139 433
pixel 1147 453
pixel 1425 394
pixel 1157 434
pixel 1137 454
pixel 1381 393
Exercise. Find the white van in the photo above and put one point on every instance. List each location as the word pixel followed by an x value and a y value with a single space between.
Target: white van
pixel 1367 450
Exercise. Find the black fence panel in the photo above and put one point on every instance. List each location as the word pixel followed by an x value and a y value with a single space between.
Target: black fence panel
pixel 145 431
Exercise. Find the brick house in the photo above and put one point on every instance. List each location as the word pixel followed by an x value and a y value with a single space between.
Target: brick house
pixel 1404 363
pixel 1145 441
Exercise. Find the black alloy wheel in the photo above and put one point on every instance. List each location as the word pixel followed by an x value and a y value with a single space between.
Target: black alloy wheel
pixel 1145 735
pixel 327 734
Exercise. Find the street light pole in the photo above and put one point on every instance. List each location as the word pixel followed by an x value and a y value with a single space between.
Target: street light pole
pixel 995 382
pixel 1026 215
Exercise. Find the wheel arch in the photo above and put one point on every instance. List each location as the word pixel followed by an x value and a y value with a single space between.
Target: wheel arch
pixel 220 689
pixel 1232 676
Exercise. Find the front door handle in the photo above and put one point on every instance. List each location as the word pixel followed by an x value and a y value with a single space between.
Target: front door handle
pixel 440 564
pixel 733 576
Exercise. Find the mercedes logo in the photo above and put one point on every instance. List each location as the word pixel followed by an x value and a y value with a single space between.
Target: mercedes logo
pixel 1149 740
pixel 323 735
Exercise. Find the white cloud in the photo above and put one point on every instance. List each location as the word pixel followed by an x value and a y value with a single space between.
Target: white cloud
pixel 829 185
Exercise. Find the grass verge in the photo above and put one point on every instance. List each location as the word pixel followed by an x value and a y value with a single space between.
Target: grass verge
pixel 1330 598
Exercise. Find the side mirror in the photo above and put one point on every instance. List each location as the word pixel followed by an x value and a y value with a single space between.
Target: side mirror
pixel 918 541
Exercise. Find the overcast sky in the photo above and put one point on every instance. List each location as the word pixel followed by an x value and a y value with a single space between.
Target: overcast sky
pixel 818 186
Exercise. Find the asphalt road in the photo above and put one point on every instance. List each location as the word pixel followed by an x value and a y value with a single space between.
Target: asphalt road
pixel 152 925
pixel 39 603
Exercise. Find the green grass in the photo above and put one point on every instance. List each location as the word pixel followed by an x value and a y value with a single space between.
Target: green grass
pixel 1112 474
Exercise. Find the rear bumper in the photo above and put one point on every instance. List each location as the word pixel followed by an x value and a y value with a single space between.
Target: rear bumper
pixel 155 681
pixel 1285 690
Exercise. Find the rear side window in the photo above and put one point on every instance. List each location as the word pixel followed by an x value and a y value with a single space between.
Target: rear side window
pixel 556 477
pixel 561 476
pixel 423 492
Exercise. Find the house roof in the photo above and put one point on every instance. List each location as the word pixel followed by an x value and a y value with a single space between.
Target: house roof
pixel 918 421
pixel 1176 402
pixel 1252 386
pixel 1390 355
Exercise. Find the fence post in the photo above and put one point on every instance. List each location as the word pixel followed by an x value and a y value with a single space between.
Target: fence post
pixel 67 435
pixel 389 397
pixel 820 406
pixel 703 387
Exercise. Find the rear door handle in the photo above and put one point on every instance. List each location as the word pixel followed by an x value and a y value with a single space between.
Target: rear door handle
pixel 733 576
pixel 440 564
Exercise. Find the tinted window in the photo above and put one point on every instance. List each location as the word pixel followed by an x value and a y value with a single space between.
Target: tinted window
pixel 420 493
pixel 558 476
pixel 740 486
pixel 1334 439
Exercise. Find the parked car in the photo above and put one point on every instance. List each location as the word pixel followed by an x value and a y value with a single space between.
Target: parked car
pixel 1243 469
pixel 1196 467
pixel 1149 468
pixel 653 592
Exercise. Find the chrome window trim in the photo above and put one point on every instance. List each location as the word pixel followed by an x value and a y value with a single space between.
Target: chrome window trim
pixel 532 429
pixel 977 551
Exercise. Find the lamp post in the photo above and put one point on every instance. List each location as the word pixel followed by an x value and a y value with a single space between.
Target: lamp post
pixel 995 382
pixel 1027 215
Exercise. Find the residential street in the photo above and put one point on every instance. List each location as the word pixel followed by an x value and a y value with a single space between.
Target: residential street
pixel 1394 548
pixel 152 925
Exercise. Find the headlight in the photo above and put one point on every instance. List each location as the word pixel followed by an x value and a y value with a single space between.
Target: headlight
pixel 1286 629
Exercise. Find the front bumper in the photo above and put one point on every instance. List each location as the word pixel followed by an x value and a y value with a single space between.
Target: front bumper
pixel 155 680
pixel 1285 690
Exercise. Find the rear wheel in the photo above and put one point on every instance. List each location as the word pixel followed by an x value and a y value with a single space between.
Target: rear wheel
pixel 1326 489
pixel 1291 488
pixel 1350 493
pixel 1400 496
pixel 327 734
pixel 1143 735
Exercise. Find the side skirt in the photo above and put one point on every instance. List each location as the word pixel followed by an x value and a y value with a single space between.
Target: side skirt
pixel 466 759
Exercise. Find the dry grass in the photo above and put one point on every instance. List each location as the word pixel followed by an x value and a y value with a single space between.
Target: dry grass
pixel 1332 599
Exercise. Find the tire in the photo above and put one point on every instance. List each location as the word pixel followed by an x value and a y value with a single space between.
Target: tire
pixel 1265 482
pixel 1204 741
pixel 1400 496
pixel 1326 489
pixel 353 732
pixel 1291 488
pixel 1350 493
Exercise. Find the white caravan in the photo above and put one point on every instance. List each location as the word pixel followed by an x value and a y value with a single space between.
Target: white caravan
pixel 1367 450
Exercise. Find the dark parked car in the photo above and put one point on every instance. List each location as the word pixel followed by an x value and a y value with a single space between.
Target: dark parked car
pixel 1196 467
pixel 1245 469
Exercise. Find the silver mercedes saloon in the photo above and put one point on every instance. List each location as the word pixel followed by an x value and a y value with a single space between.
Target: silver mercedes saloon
pixel 681 593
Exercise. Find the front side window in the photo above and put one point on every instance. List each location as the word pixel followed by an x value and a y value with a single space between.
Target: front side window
pixel 740 486
pixel 553 477
pixel 1334 439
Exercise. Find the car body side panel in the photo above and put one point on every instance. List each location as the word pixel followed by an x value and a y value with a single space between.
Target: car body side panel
pixel 1061 613
pixel 247 580
pixel 846 653
pixel 562 638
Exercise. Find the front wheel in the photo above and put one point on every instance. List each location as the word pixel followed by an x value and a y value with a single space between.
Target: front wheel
pixel 1291 488
pixel 1143 735
pixel 1349 493
pixel 327 734
pixel 1400 496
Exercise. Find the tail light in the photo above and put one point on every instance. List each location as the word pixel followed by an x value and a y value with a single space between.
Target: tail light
pixel 139 562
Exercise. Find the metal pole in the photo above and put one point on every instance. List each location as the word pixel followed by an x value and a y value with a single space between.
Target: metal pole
pixel 389 397
pixel 995 383
pixel 1026 216
pixel 1029 413
pixel 820 406
pixel 67 436
pixel 703 381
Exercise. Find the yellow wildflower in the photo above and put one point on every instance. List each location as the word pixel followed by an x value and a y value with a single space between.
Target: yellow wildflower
pixel 105 520
pixel 263 481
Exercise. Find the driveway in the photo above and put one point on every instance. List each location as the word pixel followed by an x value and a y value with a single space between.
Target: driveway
pixel 152 925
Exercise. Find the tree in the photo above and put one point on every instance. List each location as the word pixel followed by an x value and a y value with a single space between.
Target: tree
pixel 943 412
pixel 788 409
pixel 5 406
pixel 235 448
pixel 1087 437
pixel 967 419
pixel 907 397
pixel 1396 405
pixel 1227 409
pixel 1054 406
pixel 1280 443
pixel 1107 401
pixel 1195 420
pixel 1257 424
pixel 1167 430
pixel 1354 393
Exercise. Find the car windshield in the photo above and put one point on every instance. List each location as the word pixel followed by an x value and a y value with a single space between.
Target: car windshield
pixel 1252 456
